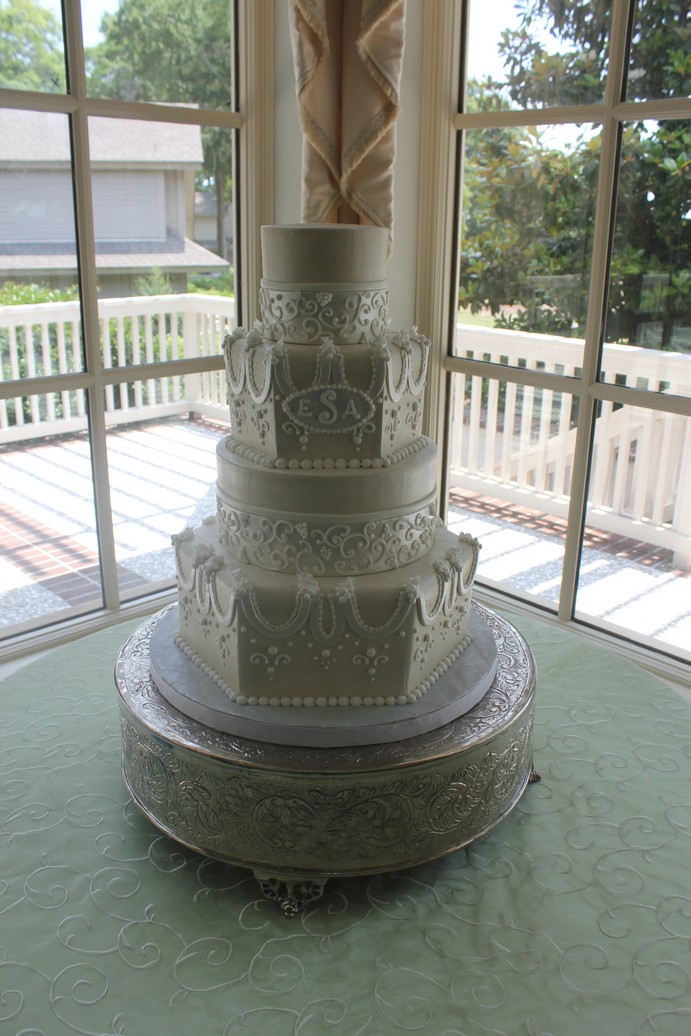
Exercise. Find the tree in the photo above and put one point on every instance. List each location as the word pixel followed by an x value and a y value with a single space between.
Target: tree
pixel 510 243
pixel 650 282
pixel 176 51
pixel 31 48
pixel 527 216
pixel 660 64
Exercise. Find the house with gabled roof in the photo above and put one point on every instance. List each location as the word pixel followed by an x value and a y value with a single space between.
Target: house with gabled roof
pixel 143 187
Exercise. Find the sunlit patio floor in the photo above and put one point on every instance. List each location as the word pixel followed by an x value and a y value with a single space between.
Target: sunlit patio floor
pixel 627 585
pixel 162 477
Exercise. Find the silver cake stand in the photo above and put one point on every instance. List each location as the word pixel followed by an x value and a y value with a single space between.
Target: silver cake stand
pixel 297 815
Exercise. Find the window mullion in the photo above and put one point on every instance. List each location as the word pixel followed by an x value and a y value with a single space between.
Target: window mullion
pixel 597 299
pixel 436 280
pixel 256 164
pixel 86 262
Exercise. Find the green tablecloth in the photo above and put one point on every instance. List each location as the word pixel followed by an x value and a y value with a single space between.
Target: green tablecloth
pixel 572 917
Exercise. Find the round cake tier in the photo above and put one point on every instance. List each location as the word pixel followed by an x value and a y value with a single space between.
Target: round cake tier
pixel 357 545
pixel 324 279
pixel 306 315
pixel 335 521
pixel 284 639
pixel 327 253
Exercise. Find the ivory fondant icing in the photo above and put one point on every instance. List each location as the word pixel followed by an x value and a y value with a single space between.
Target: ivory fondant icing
pixel 325 578
pixel 334 490
pixel 277 639
pixel 324 280
pixel 311 519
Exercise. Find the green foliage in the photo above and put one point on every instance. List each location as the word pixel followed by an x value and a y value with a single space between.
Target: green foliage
pixel 652 242
pixel 541 316
pixel 536 77
pixel 31 54
pixel 529 205
pixel 155 282
pixel 15 294
pixel 164 50
pixel 528 210
pixel 212 283
pixel 660 63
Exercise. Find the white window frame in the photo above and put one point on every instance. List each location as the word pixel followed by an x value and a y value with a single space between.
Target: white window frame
pixel 254 203
pixel 436 310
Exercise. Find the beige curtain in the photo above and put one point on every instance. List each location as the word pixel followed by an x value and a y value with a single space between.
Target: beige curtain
pixel 348 56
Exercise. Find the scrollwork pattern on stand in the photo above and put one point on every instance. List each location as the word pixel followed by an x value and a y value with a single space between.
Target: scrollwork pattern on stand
pixel 231 811
pixel 510 694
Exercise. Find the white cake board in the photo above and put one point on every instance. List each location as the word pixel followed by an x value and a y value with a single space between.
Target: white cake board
pixel 192 692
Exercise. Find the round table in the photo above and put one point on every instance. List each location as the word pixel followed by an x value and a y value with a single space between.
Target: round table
pixel 298 815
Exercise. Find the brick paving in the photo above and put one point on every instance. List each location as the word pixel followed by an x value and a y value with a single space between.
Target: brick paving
pixel 56 563
pixel 162 475
pixel 627 549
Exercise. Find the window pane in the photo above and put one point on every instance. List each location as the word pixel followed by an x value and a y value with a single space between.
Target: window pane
pixel 660 61
pixel 40 318
pixel 528 208
pixel 163 478
pixel 162 239
pixel 535 55
pixel 511 455
pixel 32 52
pixel 637 579
pixel 49 567
pixel 176 52
pixel 51 413
pixel 650 283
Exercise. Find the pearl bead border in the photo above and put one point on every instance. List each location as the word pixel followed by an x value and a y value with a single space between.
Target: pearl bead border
pixel 357 701
pixel 328 463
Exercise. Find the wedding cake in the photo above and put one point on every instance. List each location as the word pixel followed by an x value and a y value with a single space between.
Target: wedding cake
pixel 325 577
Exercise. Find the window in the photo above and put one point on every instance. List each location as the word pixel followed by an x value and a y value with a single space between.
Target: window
pixel 569 368
pixel 119 168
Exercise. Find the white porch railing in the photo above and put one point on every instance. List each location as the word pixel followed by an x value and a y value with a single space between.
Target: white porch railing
pixel 516 443
pixel 44 340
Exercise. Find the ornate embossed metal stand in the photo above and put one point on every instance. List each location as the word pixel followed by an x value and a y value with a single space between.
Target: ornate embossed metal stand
pixel 297 815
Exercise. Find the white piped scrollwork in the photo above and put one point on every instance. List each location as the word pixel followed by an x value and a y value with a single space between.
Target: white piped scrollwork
pixel 311 605
pixel 333 548
pixel 306 315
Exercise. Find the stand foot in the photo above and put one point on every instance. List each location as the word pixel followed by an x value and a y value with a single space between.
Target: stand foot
pixel 291 894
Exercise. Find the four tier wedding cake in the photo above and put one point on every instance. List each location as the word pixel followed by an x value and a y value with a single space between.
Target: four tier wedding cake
pixel 325 578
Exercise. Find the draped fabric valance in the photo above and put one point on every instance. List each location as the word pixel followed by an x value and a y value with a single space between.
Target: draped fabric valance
pixel 348 58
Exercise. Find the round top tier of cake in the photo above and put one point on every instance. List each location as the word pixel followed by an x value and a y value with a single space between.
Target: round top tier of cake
pixel 324 253
pixel 324 279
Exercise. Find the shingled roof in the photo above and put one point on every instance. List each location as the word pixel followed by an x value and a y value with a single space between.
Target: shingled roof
pixel 28 137
pixel 175 253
